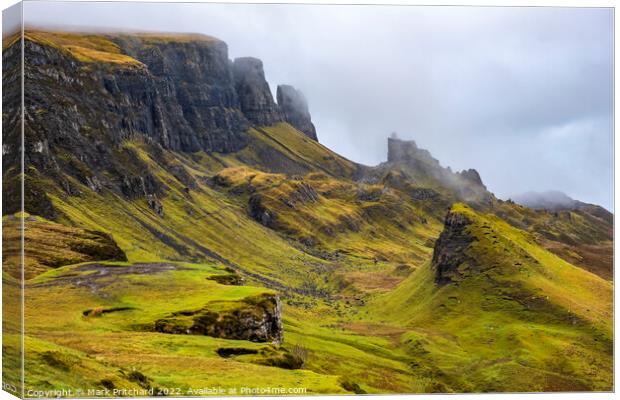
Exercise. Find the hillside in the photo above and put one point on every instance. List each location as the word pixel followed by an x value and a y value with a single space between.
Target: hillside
pixel 166 191
pixel 492 300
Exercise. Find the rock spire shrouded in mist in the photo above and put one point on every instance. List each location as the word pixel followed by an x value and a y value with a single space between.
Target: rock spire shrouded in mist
pixel 255 97
pixel 294 108
pixel 422 164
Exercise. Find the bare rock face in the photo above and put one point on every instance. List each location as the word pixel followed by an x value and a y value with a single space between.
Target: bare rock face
pixel 294 107
pixel 184 97
pixel 471 175
pixel 407 151
pixel 255 97
pixel 257 318
pixel 260 213
pixel 466 185
pixel 449 252
pixel 177 93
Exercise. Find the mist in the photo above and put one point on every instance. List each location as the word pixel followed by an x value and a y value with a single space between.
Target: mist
pixel 523 95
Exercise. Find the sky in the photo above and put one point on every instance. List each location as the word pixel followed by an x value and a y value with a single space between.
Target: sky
pixel 523 95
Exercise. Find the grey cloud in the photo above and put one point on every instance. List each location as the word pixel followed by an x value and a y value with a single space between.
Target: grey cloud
pixel 524 95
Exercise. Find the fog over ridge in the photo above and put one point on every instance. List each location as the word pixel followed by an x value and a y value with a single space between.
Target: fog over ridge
pixel 523 95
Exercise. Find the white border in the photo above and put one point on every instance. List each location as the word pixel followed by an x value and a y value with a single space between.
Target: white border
pixel 508 3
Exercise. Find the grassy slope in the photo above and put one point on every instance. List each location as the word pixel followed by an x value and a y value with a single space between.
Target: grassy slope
pixel 340 304
pixel 582 237
pixel 322 296
pixel 67 349
pixel 519 319
pixel 49 245
pixel 85 48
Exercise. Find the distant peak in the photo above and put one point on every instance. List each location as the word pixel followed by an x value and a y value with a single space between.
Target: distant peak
pixel 553 200
pixel 472 176
pixel 407 151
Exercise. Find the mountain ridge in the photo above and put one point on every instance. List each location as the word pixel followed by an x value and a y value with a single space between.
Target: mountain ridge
pixel 152 161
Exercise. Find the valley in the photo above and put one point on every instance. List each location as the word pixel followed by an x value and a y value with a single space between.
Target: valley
pixel 183 230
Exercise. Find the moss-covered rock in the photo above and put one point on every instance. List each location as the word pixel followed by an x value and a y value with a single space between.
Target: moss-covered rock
pixel 256 318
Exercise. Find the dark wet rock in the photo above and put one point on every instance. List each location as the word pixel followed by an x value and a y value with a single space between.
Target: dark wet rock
pixel 422 194
pixel 99 311
pixel 77 116
pixel 255 99
pixel 228 279
pixel 140 186
pixel 450 248
pixel 155 204
pixel 260 213
pixel 257 318
pixel 227 352
pixel 294 108
pixel 182 95
pixel 188 94
pixel 273 356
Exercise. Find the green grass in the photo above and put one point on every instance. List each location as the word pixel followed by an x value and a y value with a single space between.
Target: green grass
pixel 361 324
pixel 509 315
pixel 67 349
pixel 50 245
pixel 85 48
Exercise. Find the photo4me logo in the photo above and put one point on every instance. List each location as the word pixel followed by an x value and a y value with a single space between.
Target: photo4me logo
pixel 245 390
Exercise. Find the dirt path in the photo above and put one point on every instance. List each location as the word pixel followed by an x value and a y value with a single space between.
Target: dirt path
pixel 103 275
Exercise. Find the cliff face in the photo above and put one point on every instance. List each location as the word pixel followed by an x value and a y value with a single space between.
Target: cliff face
pixel 294 108
pixel 187 93
pixel 11 127
pixel 86 95
pixel 450 248
pixel 255 99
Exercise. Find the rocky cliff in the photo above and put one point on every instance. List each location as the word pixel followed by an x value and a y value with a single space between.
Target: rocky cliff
pixel 450 248
pixel 467 184
pixel 294 107
pixel 86 95
pixel 255 99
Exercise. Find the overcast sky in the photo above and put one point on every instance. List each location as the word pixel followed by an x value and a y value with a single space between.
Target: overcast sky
pixel 523 95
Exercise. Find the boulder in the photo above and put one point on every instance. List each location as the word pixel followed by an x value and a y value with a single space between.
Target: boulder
pixel 256 318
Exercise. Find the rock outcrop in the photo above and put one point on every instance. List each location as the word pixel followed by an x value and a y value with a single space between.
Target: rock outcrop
pixel 407 151
pixel 260 213
pixel 257 318
pixel 466 185
pixel 294 108
pixel 186 97
pixel 255 99
pixel 472 176
pixel 450 248
pixel 176 92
